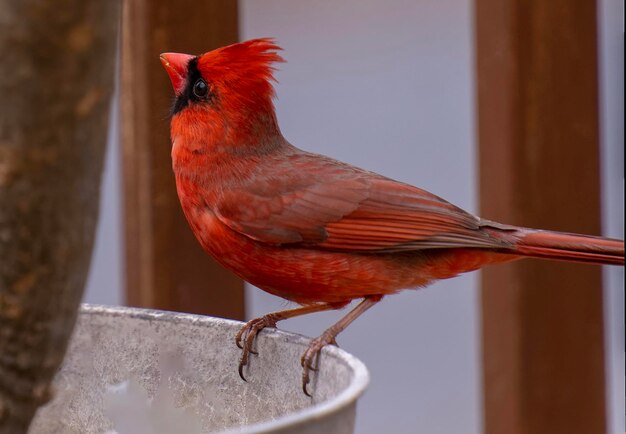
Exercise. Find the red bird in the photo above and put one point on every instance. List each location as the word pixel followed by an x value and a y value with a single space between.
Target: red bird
pixel 311 229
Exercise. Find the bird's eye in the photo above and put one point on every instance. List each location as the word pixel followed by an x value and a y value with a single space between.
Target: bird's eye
pixel 200 88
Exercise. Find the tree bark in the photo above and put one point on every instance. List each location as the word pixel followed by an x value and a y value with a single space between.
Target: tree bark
pixel 57 73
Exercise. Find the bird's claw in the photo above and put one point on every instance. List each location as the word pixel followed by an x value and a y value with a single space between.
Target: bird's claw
pixel 305 381
pixel 312 354
pixel 241 365
pixel 244 339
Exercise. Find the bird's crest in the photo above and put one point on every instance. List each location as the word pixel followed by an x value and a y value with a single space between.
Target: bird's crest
pixel 247 65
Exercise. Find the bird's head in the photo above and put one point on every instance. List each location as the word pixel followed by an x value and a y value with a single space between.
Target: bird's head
pixel 229 88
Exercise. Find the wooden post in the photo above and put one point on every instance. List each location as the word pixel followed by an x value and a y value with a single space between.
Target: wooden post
pixel 539 167
pixel 165 266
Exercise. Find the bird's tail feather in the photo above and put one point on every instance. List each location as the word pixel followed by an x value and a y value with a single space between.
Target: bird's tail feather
pixel 571 247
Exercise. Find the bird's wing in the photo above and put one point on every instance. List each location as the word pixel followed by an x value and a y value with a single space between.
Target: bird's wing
pixel 341 208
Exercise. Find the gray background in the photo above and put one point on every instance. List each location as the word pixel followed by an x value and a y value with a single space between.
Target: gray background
pixel 389 86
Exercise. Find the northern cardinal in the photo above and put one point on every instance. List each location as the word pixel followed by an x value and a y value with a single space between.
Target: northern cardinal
pixel 311 229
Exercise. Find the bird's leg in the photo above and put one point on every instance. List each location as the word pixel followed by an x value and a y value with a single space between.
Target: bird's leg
pixel 245 337
pixel 328 337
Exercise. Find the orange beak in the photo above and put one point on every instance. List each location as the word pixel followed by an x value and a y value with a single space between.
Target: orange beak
pixel 176 66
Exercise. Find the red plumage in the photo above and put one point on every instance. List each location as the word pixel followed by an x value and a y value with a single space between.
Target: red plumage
pixel 311 229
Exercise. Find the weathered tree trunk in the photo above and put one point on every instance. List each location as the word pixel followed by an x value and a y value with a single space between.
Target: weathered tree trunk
pixel 56 77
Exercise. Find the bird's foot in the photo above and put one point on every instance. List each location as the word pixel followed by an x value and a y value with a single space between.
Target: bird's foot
pixel 246 335
pixel 311 355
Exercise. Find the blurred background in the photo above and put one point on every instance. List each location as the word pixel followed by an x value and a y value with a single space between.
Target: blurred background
pixel 397 88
